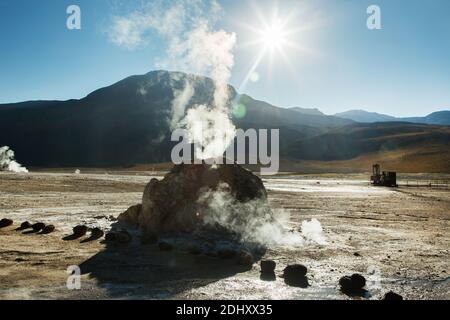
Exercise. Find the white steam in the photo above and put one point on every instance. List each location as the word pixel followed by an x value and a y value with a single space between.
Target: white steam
pixel 180 102
pixel 192 46
pixel 312 231
pixel 253 221
pixel 8 163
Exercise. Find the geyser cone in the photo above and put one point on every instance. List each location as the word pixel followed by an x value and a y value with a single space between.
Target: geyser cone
pixel 196 198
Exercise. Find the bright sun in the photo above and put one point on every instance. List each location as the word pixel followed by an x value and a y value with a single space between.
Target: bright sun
pixel 273 37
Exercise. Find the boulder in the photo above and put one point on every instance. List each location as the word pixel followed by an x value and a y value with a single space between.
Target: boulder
pixel 392 296
pixel 80 230
pixel 131 216
pixel 97 233
pixel 24 225
pixel 179 202
pixel 353 284
pixel 268 266
pixel 295 275
pixel 5 223
pixel 38 226
pixel 48 229
pixel 358 280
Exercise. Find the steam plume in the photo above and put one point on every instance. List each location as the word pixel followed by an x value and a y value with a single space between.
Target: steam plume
pixel 192 46
pixel 312 231
pixel 7 161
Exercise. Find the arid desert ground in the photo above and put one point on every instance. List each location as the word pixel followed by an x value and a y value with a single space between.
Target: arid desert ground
pixel 397 238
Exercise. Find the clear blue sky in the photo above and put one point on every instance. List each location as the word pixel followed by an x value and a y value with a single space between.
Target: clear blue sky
pixel 403 69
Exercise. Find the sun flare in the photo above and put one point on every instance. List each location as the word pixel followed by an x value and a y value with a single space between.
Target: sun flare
pixel 273 36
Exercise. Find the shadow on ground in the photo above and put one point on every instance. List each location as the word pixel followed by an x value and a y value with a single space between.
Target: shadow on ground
pixel 143 271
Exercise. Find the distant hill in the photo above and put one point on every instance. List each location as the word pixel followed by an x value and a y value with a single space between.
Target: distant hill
pixel 429 143
pixel 439 118
pixel 128 123
pixel 310 111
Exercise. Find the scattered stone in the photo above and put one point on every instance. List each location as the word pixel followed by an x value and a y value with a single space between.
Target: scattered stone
pixel 165 246
pixel 48 229
pixel 226 253
pixel 268 266
pixel 358 280
pixel 24 225
pixel 295 275
pixel 392 296
pixel 352 285
pixel 5 223
pixel 80 230
pixel 245 258
pixel 97 233
pixel 38 226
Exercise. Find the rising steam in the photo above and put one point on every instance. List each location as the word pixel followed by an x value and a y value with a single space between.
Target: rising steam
pixel 8 163
pixel 192 46
pixel 252 221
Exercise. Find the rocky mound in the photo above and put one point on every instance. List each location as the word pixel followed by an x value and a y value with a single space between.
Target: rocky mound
pixel 199 198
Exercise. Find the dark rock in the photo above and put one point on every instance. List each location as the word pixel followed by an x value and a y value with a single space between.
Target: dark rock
pixel 245 258
pixel 295 270
pixel 24 225
pixel 5 223
pixel 226 253
pixel 48 229
pixel 358 281
pixel 165 246
pixel 131 216
pixel 392 296
pixel 80 230
pixel 295 275
pixel 268 266
pixel 38 226
pixel 346 283
pixel 97 233
pixel 174 204
pixel 268 276
pixel 356 254
pixel 353 285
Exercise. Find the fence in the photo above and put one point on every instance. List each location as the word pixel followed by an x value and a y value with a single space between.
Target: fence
pixel 435 184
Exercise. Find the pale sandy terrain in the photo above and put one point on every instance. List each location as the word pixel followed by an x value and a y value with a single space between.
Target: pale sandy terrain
pixel 402 237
